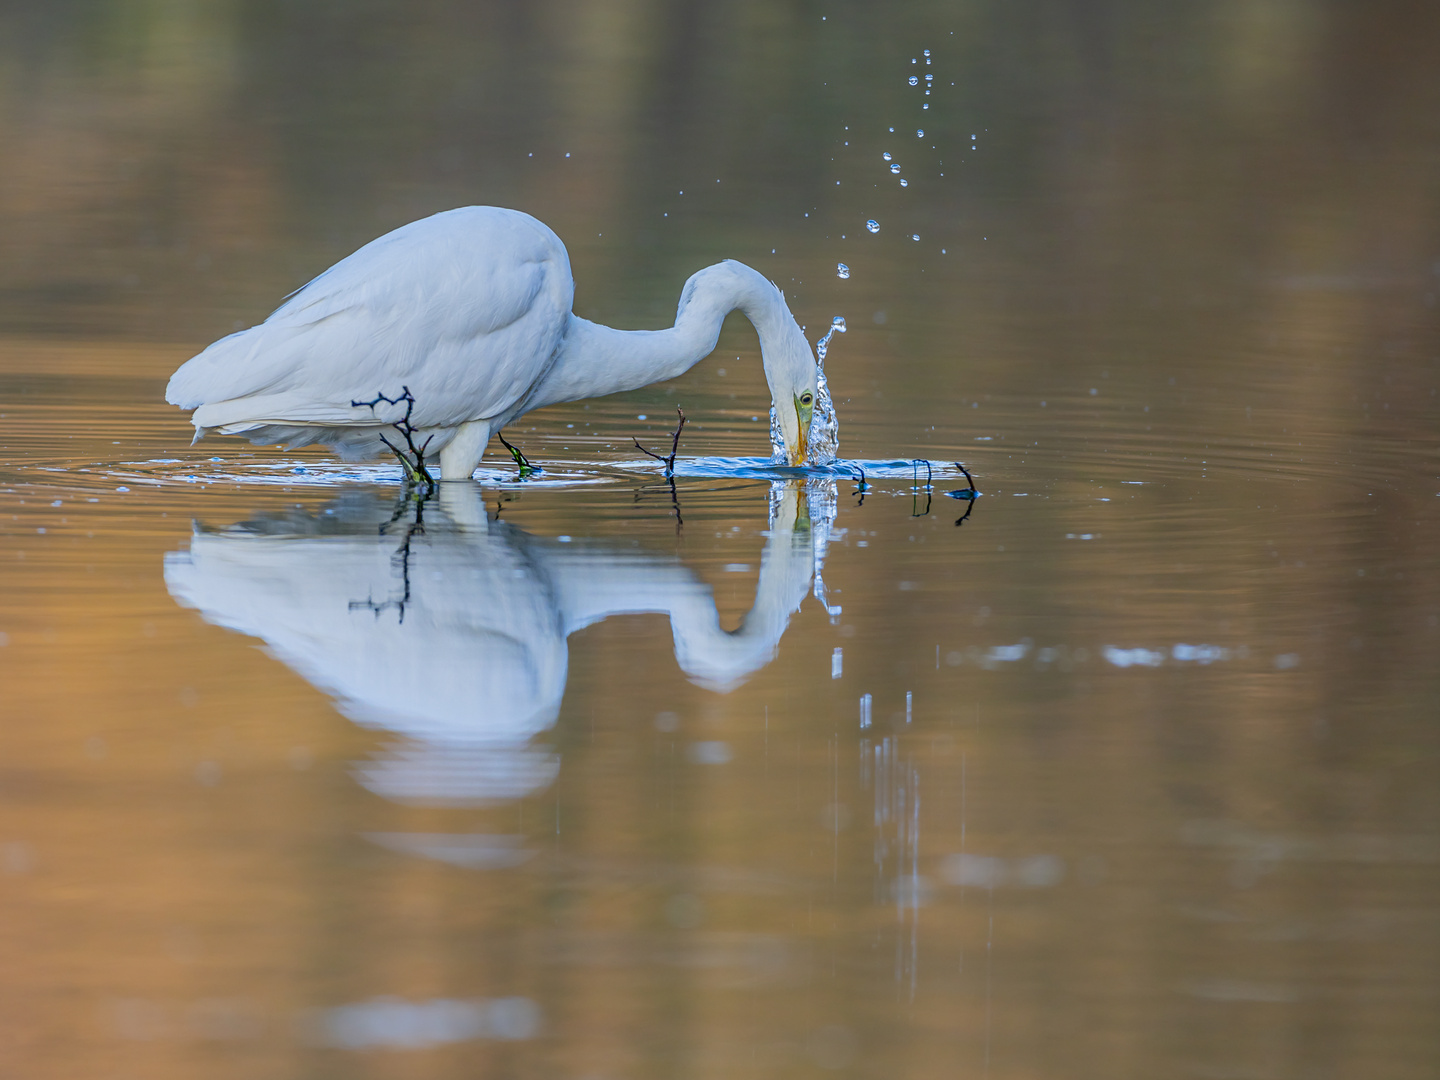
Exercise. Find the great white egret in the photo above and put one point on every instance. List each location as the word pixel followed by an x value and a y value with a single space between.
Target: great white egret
pixel 470 310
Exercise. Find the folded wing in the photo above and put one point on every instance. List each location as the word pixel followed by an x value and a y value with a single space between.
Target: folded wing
pixel 466 308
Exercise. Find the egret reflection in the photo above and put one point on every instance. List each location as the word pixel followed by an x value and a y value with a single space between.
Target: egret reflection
pixel 447 627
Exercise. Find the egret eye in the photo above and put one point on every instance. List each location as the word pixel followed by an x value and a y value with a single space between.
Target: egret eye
pixel 806 399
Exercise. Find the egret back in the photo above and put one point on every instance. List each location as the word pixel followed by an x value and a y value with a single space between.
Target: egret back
pixel 467 308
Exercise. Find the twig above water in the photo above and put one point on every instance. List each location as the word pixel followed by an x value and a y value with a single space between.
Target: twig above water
pixel 413 466
pixel 674 446
pixel 914 498
pixel 969 494
pixel 862 487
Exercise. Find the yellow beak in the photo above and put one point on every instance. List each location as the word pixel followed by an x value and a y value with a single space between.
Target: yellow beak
pixel 801 450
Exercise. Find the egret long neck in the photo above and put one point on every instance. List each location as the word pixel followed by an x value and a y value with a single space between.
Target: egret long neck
pixel 595 360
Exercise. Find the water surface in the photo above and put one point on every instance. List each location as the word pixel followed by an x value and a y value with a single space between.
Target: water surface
pixel 1133 773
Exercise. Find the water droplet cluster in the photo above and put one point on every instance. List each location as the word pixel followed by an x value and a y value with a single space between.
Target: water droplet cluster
pixel 905 172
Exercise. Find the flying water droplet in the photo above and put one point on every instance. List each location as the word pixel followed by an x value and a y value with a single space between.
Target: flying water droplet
pixel 872 225
pixel 929 78
pixel 841 270
pixel 914 236
pixel 894 168
pixel 919 133
pixel 904 183
pixel 885 156
pixel 914 80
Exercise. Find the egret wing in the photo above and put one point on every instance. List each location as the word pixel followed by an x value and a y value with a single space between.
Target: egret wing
pixel 466 308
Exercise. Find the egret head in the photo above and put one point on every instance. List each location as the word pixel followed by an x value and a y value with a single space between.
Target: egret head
pixel 791 372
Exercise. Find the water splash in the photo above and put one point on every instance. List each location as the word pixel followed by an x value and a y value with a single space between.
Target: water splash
pixel 822 346
pixel 824 438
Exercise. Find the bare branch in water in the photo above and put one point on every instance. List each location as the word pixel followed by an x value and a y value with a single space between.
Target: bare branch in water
pixel 413 465
pixel 862 487
pixel 969 494
pixel 674 446
pixel 914 498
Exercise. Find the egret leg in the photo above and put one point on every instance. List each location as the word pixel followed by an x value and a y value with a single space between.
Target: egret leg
pixel 462 454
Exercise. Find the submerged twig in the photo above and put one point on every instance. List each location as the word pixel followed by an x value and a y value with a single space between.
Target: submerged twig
pixel 674 446
pixel 414 467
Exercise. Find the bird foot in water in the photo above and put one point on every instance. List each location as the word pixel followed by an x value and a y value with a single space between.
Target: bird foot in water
pixel 520 459
pixel 416 474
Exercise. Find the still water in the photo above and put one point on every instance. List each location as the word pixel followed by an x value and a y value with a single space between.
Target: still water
pixel 1135 771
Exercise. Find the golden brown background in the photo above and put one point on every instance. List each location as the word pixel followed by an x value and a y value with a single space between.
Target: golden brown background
pixel 1205 236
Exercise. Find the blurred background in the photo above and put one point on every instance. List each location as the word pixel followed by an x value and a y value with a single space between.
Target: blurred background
pixel 1179 744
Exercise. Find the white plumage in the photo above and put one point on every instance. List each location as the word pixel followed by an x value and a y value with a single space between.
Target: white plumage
pixel 471 310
